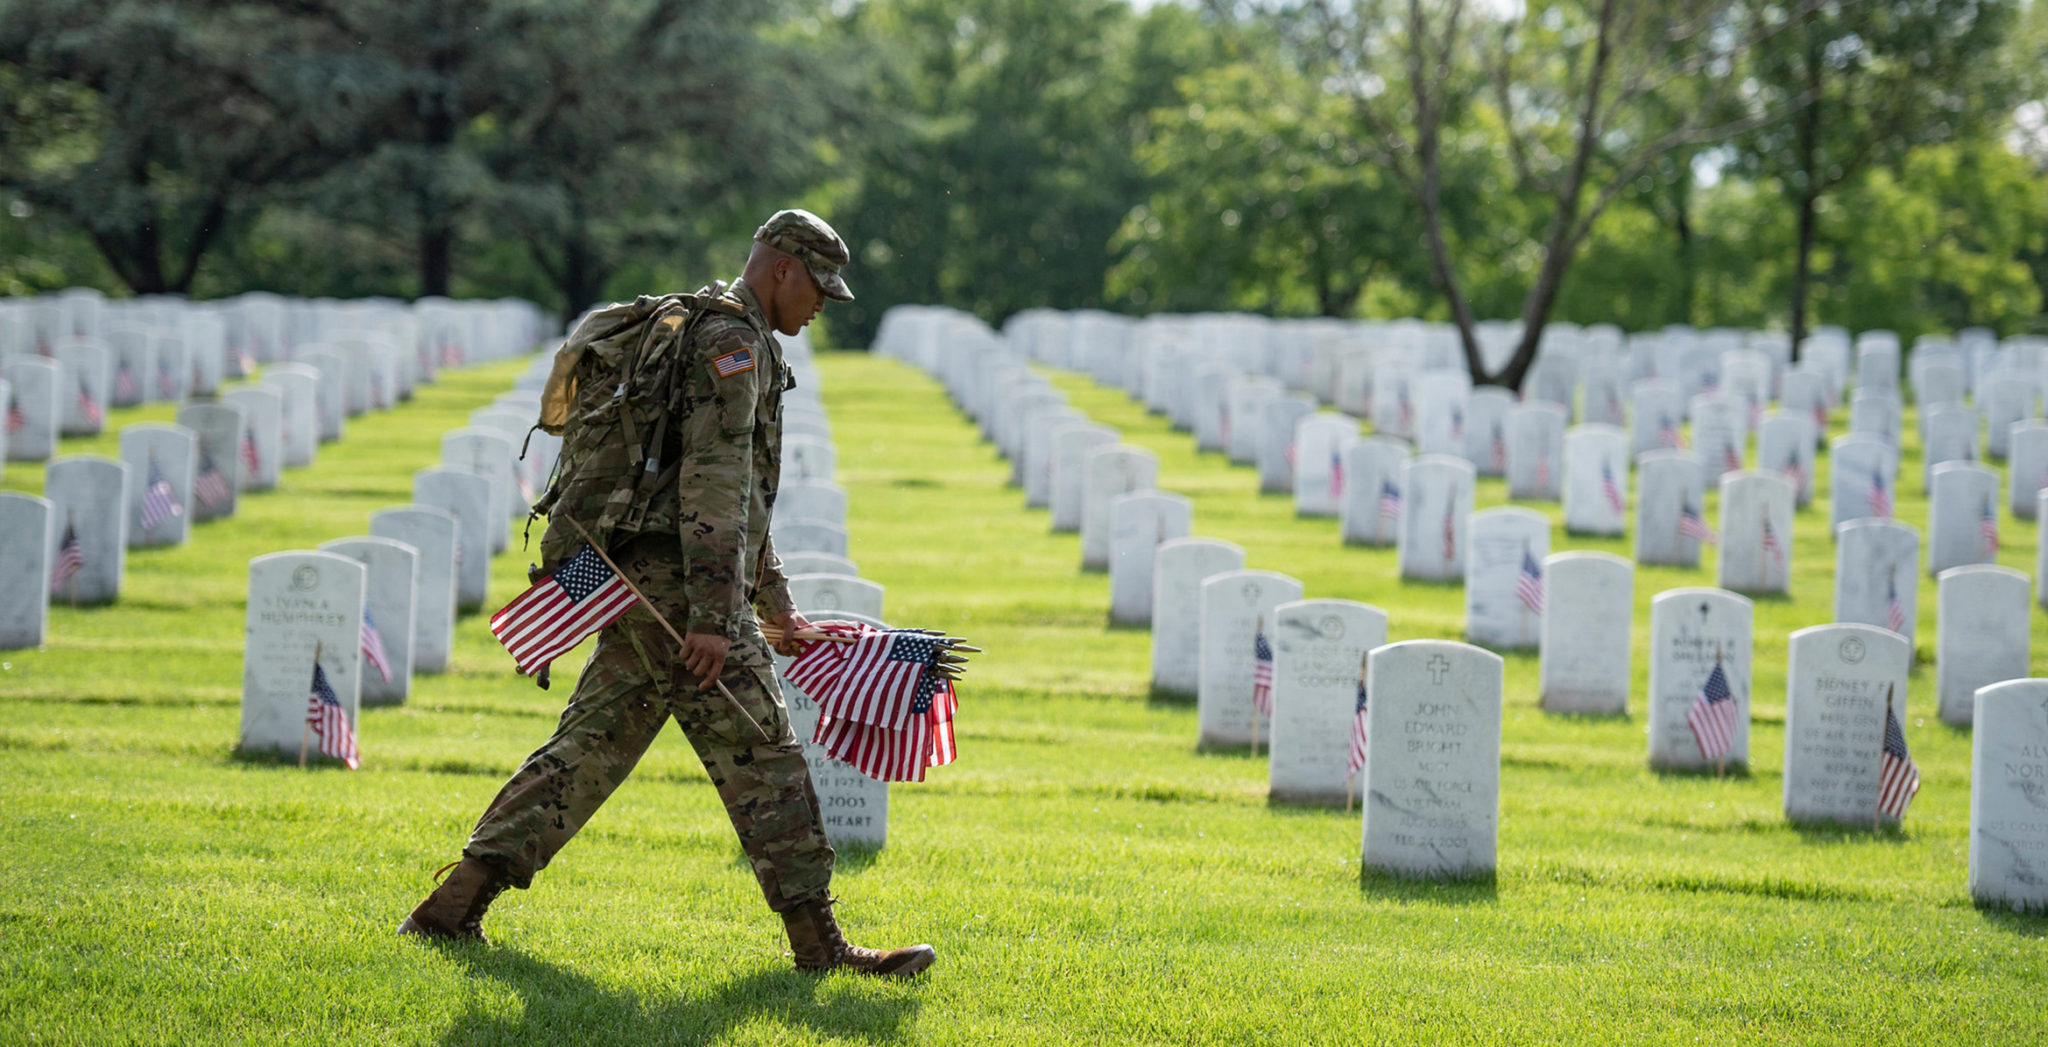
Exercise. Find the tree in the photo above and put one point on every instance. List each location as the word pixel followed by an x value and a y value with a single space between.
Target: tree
pixel 1563 86
pixel 1866 82
pixel 154 126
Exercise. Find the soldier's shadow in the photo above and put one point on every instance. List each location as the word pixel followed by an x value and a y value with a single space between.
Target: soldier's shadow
pixel 560 1005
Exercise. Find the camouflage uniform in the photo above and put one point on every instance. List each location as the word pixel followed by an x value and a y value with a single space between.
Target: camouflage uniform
pixel 702 556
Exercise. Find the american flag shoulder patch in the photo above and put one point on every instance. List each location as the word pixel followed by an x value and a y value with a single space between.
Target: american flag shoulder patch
pixel 739 361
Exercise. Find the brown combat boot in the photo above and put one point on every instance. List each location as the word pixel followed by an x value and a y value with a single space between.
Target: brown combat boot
pixel 815 940
pixel 455 911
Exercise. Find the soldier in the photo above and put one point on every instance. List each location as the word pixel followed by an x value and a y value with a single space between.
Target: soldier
pixel 701 554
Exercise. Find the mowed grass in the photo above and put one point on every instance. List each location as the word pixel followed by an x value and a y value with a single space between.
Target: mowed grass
pixel 1086 875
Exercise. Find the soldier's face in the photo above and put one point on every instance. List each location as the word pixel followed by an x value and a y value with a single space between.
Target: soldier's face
pixel 798 298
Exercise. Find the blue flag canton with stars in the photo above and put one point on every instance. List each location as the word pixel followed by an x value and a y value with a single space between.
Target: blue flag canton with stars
pixel 582 575
pixel 922 648
pixel 322 689
pixel 1716 689
pixel 1262 650
pixel 1894 737
pixel 1361 696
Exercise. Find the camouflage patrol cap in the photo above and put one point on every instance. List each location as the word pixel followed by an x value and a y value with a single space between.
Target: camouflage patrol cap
pixel 806 236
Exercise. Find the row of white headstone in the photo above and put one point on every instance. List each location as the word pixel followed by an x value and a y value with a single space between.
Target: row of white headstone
pixel 1435 787
pixel 169 476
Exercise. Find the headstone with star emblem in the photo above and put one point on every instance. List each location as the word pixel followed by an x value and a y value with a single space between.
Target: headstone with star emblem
pixel 1838 681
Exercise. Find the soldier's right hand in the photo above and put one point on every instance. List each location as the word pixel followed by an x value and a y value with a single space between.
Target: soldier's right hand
pixel 704 656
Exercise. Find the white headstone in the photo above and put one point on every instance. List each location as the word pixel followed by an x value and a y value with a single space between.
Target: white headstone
pixel 1962 516
pixel 1606 396
pixel 1319 649
pixel 1070 447
pixel 28 547
pixel 134 361
pixel 32 410
pixel 1784 445
pixel 806 537
pixel 821 596
pixel 300 604
pixel 1718 441
pixel 1503 609
pixel 161 457
pixel 1980 634
pixel 1670 509
pixel 1486 429
pixel 1436 499
pixel 1276 442
pixel 330 393
pixel 2009 796
pixel 1805 395
pixel 1035 463
pixel 1244 411
pixel 1596 480
pixel 1371 510
pixel 298 389
pixel 1838 681
pixel 1876 565
pixel 432 534
pixel 2006 403
pixel 855 807
pixel 89 497
pixel 2026 467
pixel 1535 451
pixel 1877 366
pixel 218 429
pixel 1179 570
pixel 1951 437
pixel 1659 415
pixel 2041 549
pixel 807 460
pixel 815 563
pixel 466 497
pixel 84 375
pixel 1691 631
pixel 1109 473
pixel 819 503
pixel 390 586
pixel 1588 612
pixel 1440 429
pixel 1432 768
pixel 484 453
pixel 1394 397
pixel 1320 442
pixel 1236 610
pixel 1756 533
pixel 1863 483
pixel 1139 523
pixel 1876 414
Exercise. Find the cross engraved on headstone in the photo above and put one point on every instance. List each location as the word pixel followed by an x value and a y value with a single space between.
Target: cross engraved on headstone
pixel 1437 667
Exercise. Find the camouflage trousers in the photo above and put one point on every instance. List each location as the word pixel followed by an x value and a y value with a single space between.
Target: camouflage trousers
pixel 633 684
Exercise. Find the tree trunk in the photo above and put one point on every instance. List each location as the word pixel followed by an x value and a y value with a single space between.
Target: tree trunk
pixel 436 240
pixel 1801 270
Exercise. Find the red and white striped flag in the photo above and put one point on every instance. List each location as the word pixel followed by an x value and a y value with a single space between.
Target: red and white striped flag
pixel 1775 548
pixel 1691 525
pixel 1529 583
pixel 329 720
pixel 867 716
pixel 1262 671
pixel 1897 778
pixel 250 462
pixel 17 419
pixel 554 614
pixel 1880 499
pixel 1895 612
pixel 166 382
pixel 1712 717
pixel 1987 526
pixel 125 389
pixel 210 487
pixel 70 559
pixel 89 408
pixel 158 502
pixel 1610 488
pixel 373 646
pixel 1358 736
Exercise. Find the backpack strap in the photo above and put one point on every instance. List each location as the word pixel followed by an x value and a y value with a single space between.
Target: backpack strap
pixel 652 476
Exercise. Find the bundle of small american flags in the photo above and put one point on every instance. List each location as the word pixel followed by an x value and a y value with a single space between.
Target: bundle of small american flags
pixel 885 696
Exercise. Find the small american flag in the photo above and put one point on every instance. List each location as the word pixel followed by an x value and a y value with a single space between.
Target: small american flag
pixel 70 559
pixel 89 408
pixel 1820 416
pixel 1731 458
pixel 880 678
pixel 1897 778
pixel 1667 433
pixel 1880 499
pixel 329 720
pixel 881 707
pixel 1500 450
pixel 557 612
pixel 1713 716
pixel 1987 525
pixel 1543 472
pixel 17 419
pixel 1692 526
pixel 125 390
pixel 250 462
pixel 1358 737
pixel 166 382
pixel 210 486
pixel 1771 544
pixel 1529 583
pixel 881 753
pixel 1457 426
pixel 1262 671
pixel 1390 501
pixel 1404 410
pixel 1611 489
pixel 1336 474
pixel 1451 529
pixel 1894 612
pixel 1288 453
pixel 1793 471
pixel 373 646
pixel 158 503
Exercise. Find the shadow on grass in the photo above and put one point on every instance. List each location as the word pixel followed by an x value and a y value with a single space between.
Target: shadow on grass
pixel 1476 889
pixel 2030 923
pixel 561 1005
pixel 1737 771
pixel 1167 696
pixel 1823 833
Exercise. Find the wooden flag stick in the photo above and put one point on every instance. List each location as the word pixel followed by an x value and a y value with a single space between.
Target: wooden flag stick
pixel 642 597
pixel 306 730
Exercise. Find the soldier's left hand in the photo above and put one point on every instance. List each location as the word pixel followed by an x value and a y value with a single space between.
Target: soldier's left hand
pixel 789 624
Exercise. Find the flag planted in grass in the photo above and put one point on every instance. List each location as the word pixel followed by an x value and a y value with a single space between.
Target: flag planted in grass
pixel 1712 718
pixel 373 646
pixel 1897 779
pixel 70 559
pixel 326 718
pixel 158 503
pixel 211 487
pixel 557 612
pixel 885 696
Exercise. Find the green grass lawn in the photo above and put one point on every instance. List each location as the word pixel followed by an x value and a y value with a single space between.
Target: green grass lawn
pixel 1086 875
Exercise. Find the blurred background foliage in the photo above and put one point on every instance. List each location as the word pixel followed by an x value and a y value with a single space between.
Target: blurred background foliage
pixel 1785 164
